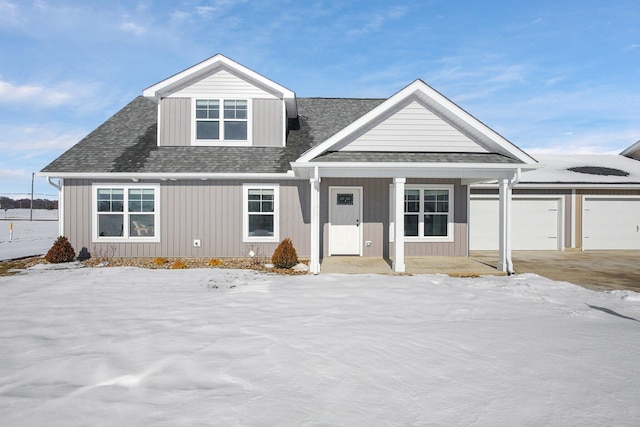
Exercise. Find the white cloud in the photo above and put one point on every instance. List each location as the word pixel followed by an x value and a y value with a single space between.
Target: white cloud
pixel 8 12
pixel 376 20
pixel 30 141
pixel 133 28
pixel 10 93
pixel 205 11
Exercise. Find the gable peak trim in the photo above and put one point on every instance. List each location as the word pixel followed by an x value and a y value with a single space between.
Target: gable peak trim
pixel 440 104
pixel 212 65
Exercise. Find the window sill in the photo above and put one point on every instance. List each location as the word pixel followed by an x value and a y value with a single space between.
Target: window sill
pixel 260 240
pixel 219 143
pixel 126 240
pixel 444 239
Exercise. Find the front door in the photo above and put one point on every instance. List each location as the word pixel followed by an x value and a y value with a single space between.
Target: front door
pixel 345 215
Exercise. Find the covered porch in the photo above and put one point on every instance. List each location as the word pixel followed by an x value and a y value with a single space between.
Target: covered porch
pixel 452 266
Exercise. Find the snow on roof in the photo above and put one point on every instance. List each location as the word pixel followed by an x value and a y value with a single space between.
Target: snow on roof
pixel 602 168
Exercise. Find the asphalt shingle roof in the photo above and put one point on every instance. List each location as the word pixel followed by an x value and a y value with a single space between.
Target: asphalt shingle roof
pixel 127 143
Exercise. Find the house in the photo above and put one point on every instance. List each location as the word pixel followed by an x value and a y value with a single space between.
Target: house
pixel 218 160
pixel 587 202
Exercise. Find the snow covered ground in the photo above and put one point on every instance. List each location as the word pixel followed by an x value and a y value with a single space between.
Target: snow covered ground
pixel 126 346
pixel 29 237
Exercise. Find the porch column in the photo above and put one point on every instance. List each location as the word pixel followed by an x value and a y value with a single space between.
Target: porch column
pixel 314 266
pixel 504 259
pixel 398 208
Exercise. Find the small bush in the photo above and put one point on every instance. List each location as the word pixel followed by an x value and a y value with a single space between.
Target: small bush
pixel 160 261
pixel 179 264
pixel 215 262
pixel 61 251
pixel 285 255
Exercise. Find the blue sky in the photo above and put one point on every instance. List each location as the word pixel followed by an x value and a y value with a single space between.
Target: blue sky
pixel 550 76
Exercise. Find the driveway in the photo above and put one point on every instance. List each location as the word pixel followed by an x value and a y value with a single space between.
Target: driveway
pixel 597 270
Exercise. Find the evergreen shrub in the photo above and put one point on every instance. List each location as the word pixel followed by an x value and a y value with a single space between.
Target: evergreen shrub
pixel 61 251
pixel 285 255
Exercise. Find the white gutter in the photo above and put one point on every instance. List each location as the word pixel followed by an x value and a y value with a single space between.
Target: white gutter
pixel 565 186
pixel 60 188
pixel 402 165
pixel 165 176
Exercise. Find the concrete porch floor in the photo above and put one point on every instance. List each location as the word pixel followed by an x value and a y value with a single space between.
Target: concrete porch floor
pixel 453 266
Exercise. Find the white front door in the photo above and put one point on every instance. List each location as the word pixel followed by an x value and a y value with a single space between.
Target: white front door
pixel 345 217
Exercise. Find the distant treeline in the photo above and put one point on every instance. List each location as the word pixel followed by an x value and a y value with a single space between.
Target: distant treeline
pixel 7 203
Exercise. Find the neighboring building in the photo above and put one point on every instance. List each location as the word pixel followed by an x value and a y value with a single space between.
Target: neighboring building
pixel 217 160
pixel 573 201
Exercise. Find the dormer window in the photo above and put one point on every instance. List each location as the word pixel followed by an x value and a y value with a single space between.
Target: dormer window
pixel 213 126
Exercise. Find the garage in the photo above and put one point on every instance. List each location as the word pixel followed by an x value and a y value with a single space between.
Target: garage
pixel 536 223
pixel 611 222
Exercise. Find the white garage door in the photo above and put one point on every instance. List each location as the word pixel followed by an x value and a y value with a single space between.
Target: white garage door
pixel 611 223
pixel 536 224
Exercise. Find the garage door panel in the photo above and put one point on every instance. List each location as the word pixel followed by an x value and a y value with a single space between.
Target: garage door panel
pixel 611 223
pixel 534 226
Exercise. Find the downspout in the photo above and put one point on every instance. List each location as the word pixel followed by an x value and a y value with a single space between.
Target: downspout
pixel 59 187
pixel 53 184
pixel 512 183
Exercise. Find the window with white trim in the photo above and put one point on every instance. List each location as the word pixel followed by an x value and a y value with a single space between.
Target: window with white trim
pixel 124 212
pixel 428 212
pixel 261 212
pixel 213 126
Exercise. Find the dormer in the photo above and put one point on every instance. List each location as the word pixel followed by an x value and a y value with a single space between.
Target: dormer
pixel 219 102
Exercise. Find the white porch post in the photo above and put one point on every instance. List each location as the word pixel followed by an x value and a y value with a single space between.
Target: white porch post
pixel 315 225
pixel 504 262
pixel 398 208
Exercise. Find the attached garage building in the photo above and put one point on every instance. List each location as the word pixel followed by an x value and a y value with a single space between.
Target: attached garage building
pixel 588 202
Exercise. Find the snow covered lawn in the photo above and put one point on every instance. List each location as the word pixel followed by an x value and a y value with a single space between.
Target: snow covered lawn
pixel 126 346
pixel 29 237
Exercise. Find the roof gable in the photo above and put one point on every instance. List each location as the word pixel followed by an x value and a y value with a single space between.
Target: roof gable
pixel 433 110
pixel 632 152
pixel 411 127
pixel 214 65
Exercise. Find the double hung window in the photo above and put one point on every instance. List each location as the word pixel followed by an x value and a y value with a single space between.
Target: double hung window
pixel 426 212
pixel 221 120
pixel 261 222
pixel 126 213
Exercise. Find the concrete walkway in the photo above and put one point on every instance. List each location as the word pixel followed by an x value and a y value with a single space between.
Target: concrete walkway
pixel 597 270
pixel 453 266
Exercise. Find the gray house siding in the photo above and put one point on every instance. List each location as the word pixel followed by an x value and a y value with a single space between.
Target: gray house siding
pixel 175 122
pixel 268 123
pixel 207 210
pixel 375 221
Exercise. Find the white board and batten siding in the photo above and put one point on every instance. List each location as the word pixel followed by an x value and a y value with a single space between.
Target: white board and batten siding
pixel 537 223
pixel 207 210
pixel 413 128
pixel 611 222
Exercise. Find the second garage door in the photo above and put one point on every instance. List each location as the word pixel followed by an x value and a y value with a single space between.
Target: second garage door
pixel 536 223
pixel 611 223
